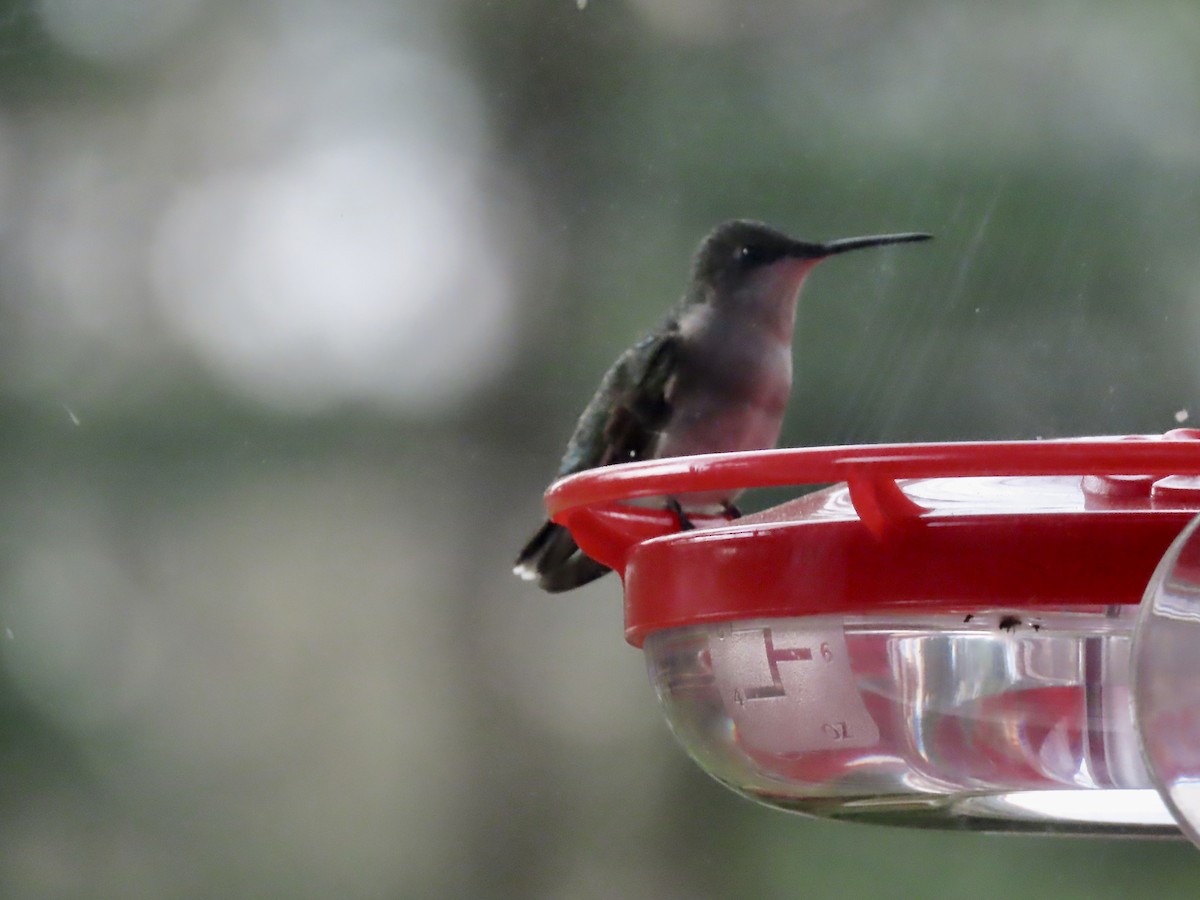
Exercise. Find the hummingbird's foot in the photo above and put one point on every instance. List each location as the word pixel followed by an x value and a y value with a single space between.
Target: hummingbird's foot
pixel 731 510
pixel 685 524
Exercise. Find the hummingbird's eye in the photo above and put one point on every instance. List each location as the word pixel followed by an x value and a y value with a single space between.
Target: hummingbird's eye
pixel 752 254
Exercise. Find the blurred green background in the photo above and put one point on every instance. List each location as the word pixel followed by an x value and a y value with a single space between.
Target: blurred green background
pixel 300 300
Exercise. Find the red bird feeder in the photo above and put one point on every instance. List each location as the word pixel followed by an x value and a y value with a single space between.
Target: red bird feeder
pixel 943 637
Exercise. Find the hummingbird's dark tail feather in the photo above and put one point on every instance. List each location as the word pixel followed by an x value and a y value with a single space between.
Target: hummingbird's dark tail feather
pixel 555 562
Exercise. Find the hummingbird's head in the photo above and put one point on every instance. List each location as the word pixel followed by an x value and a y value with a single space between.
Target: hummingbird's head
pixel 734 251
pixel 754 272
pixel 741 251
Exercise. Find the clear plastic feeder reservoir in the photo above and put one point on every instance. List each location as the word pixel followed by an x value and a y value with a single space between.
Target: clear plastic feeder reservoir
pixel 944 637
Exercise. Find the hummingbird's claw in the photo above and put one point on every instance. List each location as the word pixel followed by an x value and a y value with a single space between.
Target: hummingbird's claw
pixel 685 524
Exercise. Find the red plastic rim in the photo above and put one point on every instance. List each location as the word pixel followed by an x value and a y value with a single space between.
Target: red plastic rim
pixel 885 538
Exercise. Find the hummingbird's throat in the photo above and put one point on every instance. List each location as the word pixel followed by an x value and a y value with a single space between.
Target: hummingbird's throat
pixel 769 296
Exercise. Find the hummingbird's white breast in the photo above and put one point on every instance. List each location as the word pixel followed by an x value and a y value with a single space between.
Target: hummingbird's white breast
pixel 734 377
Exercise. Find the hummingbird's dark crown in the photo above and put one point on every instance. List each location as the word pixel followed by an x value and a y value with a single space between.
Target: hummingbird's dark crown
pixel 736 247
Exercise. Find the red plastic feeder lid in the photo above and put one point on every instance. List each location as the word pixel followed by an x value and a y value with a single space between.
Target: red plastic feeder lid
pixel 912 527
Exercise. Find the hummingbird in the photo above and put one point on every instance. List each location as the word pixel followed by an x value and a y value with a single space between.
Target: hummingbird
pixel 715 375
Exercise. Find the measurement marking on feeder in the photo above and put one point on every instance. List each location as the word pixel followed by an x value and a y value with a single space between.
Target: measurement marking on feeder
pixel 838 731
pixel 814 706
pixel 775 655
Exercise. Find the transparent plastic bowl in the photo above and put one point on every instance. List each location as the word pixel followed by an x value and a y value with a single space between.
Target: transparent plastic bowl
pixel 925 720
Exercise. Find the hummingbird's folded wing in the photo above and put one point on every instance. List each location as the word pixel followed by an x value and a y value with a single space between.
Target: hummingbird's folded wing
pixel 623 421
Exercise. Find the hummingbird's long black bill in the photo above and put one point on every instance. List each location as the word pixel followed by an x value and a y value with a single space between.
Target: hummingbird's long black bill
pixel 832 248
